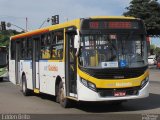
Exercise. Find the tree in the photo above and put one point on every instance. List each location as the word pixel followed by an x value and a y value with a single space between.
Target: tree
pixel 152 49
pixel 147 10
pixel 157 51
pixel 5 36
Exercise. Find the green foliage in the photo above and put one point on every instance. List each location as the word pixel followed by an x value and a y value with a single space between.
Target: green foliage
pixel 154 50
pixel 5 36
pixel 152 47
pixel 157 51
pixel 147 10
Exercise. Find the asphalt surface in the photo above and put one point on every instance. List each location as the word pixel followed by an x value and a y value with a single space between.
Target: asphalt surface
pixel 13 101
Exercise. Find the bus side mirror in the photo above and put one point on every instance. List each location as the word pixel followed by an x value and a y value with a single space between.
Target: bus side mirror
pixel 77 42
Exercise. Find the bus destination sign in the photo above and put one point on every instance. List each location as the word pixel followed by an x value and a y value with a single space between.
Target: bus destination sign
pixel 110 25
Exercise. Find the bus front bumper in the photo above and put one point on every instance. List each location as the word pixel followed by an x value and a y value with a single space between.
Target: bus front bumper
pixel 86 94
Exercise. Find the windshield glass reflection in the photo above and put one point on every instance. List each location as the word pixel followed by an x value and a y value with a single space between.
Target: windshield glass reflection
pixel 113 51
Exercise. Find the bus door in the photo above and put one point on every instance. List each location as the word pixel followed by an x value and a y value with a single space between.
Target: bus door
pixel 17 63
pixel 35 63
pixel 70 65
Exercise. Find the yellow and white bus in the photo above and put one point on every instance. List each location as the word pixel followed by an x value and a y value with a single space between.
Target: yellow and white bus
pixel 90 59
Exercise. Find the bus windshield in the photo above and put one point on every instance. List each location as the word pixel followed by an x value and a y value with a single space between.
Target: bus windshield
pixel 113 51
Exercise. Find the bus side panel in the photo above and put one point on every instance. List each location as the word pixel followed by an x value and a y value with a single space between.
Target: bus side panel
pixel 12 71
pixel 48 74
pixel 26 67
pixel 43 75
pixel 56 69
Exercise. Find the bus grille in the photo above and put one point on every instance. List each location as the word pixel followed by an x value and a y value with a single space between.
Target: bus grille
pixel 118 73
pixel 110 92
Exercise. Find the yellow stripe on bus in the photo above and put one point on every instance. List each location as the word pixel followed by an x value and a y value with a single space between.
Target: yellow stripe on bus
pixel 116 83
pixel 55 60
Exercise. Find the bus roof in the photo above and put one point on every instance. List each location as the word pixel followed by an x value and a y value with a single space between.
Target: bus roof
pixel 111 17
pixel 65 24
pixel 47 29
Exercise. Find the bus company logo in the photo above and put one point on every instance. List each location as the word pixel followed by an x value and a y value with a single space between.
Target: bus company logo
pixel 52 68
pixel 111 85
pixel 120 84
pixel 123 84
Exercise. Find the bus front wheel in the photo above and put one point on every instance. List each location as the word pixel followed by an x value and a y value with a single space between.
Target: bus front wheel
pixel 64 102
pixel 25 90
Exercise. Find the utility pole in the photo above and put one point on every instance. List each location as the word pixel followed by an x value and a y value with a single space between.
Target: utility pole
pixel 26 24
pixel 46 20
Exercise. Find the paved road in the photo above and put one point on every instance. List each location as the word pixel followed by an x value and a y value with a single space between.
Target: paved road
pixel 12 101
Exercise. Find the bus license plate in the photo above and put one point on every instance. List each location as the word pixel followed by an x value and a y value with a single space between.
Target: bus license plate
pixel 119 93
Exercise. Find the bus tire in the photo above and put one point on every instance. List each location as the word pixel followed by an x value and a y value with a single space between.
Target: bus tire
pixel 64 102
pixel 25 90
pixel 1 79
pixel 57 91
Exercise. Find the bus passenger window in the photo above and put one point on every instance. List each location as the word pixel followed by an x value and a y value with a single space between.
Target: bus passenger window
pixel 57 45
pixel 29 48
pixel 13 49
pixel 23 49
pixel 45 46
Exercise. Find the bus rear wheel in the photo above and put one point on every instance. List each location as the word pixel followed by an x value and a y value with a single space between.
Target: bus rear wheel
pixel 64 102
pixel 25 90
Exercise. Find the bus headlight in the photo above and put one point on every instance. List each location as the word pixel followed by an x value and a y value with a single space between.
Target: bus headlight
pixel 84 82
pixel 144 82
pixel 88 84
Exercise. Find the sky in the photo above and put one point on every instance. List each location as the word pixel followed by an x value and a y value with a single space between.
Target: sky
pixel 37 11
pixel 15 11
